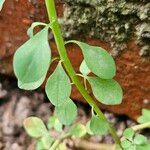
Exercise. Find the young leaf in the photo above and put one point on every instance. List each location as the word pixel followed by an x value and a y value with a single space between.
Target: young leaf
pixel 35 127
pixel 32 60
pixel 126 144
pixel 84 68
pixel 47 141
pixel 58 87
pixel 145 116
pixel 33 25
pixel 129 133
pixel 107 92
pixel 1 4
pixel 44 143
pixel 98 126
pixel 39 145
pixel 98 60
pixel 143 147
pixel 140 139
pixel 32 85
pixel 78 130
pixel 53 122
pixel 88 128
pixel 67 112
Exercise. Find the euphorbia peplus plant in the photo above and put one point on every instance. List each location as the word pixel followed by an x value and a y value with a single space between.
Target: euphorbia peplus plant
pixel 31 63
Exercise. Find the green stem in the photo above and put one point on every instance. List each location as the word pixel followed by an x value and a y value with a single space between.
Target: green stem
pixel 50 5
pixel 141 126
pixel 57 142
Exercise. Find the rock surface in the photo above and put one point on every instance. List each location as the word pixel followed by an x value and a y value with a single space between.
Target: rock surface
pixel 133 72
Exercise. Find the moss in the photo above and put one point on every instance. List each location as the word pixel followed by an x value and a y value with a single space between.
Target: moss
pixel 115 22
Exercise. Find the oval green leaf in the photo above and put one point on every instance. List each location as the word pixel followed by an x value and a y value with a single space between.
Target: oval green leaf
pixel 58 86
pixel 107 92
pixel 98 126
pixel 84 68
pixel 32 60
pixel 98 60
pixel 140 139
pixel 67 112
pixel 33 25
pixel 53 122
pixel 35 127
pixel 145 117
pixel 128 133
pixel 78 130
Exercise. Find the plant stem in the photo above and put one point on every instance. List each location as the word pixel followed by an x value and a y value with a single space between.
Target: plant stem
pixel 141 126
pixel 50 5
pixel 57 142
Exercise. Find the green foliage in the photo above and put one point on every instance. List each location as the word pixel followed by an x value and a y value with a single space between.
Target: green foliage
pixel 66 112
pixel 129 133
pixel 134 141
pixel 88 129
pixel 33 25
pixel 98 60
pixel 31 63
pixel 84 68
pixel 107 92
pixel 145 116
pixel 53 122
pixel 35 127
pixel 47 141
pixel 98 126
pixel 1 4
pixel 58 87
pixel 32 60
pixel 140 139
pixel 78 130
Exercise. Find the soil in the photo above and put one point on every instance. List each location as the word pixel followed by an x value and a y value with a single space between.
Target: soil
pixel 16 105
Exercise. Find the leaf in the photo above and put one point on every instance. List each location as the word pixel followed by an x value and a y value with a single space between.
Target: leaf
pixel 88 128
pixel 1 4
pixel 32 60
pixel 78 130
pixel 143 147
pixel 35 127
pixel 84 68
pixel 47 141
pixel 140 139
pixel 67 112
pixel 145 117
pixel 129 133
pixel 126 144
pixel 39 145
pixel 98 126
pixel 132 147
pixel 32 85
pixel 62 146
pixel 33 25
pixel 44 143
pixel 107 92
pixel 53 122
pixel 98 60
pixel 58 86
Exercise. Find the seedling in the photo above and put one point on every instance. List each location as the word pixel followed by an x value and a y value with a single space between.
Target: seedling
pixel 31 64
pixel 135 141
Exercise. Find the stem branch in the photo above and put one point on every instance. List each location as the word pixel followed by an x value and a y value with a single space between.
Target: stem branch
pixel 141 126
